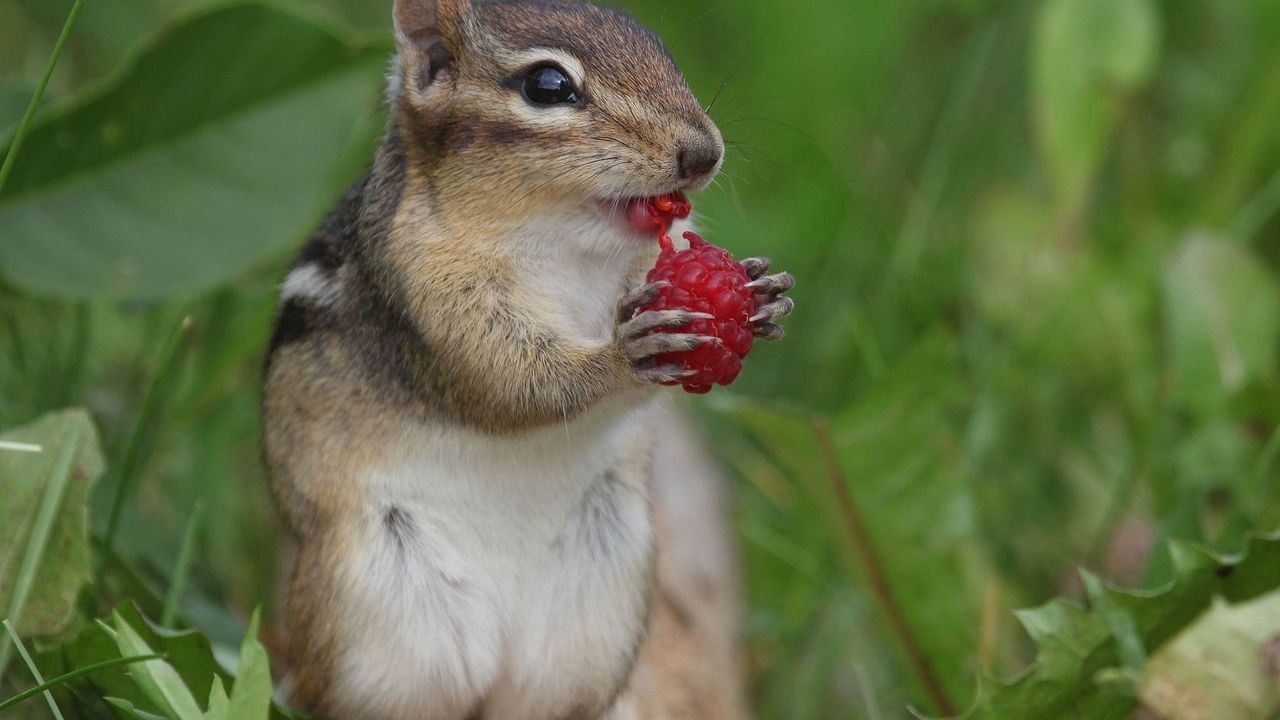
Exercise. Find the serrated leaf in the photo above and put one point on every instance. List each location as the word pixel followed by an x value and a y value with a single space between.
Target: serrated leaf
pixel 251 694
pixel 64 566
pixel 223 140
pixel 157 678
pixel 1076 645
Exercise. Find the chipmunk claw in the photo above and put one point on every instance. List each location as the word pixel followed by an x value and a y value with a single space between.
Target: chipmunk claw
pixel 774 310
pixel 665 373
pixel 651 320
pixel 638 298
pixel 763 320
pixel 642 348
pixel 772 285
pixel 769 331
pixel 755 266
pixel 768 289
pixel 643 335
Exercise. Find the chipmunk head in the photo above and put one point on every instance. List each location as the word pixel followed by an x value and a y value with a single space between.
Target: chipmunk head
pixel 522 105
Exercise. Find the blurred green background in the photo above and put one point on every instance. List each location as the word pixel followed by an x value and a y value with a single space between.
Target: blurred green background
pixel 1036 245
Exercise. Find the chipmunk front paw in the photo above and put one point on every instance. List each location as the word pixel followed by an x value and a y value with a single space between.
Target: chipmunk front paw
pixel 770 305
pixel 641 337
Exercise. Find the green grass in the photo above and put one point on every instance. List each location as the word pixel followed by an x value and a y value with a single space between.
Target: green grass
pixel 1036 247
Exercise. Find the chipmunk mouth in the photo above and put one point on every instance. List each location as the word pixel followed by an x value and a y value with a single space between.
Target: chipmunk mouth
pixel 654 212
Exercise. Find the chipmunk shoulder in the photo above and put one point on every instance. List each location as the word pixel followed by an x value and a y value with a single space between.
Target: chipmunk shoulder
pixel 459 394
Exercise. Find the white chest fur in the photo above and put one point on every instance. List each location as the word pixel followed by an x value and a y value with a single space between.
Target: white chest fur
pixel 507 577
pixel 578 266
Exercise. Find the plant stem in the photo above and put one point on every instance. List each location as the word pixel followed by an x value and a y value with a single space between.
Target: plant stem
pixel 881 590
pixel 133 453
pixel 174 597
pixel 30 114
pixel 68 677
pixel 35 671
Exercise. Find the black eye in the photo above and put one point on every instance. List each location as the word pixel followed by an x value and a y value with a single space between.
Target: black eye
pixel 548 85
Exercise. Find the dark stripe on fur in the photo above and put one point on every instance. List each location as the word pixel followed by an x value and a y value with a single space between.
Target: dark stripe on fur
pixel 297 319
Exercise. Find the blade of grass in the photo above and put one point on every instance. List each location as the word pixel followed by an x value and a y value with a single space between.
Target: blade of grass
pixel 30 114
pixel 150 405
pixel 878 581
pixel 31 665
pixel 914 234
pixel 40 531
pixel 181 567
pixel 73 675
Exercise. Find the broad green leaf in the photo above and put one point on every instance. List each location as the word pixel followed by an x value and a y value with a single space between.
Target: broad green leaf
pixel 1214 670
pixel 105 30
pixel 251 694
pixel 1075 646
pixel 222 141
pixel 899 453
pixel 13 102
pixel 1223 317
pixel 1085 54
pixel 63 567
pixel 157 678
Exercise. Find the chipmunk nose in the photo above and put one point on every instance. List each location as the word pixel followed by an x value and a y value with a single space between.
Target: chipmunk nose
pixel 697 158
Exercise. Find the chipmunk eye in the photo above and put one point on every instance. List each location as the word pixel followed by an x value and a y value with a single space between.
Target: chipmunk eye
pixel 548 85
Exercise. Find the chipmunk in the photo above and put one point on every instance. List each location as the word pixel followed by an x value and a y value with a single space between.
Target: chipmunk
pixel 460 400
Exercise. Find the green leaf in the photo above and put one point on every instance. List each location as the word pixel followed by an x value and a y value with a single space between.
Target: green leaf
pixel 157 678
pixel 1212 671
pixel 132 711
pixel 69 676
pixel 222 141
pixel 1086 53
pixel 1223 317
pixel 1126 34
pixel 251 695
pixel 1074 644
pixel 219 706
pixel 60 568
pixel 188 652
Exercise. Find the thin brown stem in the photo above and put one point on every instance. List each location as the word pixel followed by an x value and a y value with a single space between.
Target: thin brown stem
pixel 990 624
pixel 881 590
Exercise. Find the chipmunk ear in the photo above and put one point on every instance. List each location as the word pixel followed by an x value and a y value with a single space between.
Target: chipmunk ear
pixel 430 35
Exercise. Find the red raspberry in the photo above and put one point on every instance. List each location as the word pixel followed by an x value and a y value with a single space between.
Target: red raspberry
pixel 705 279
